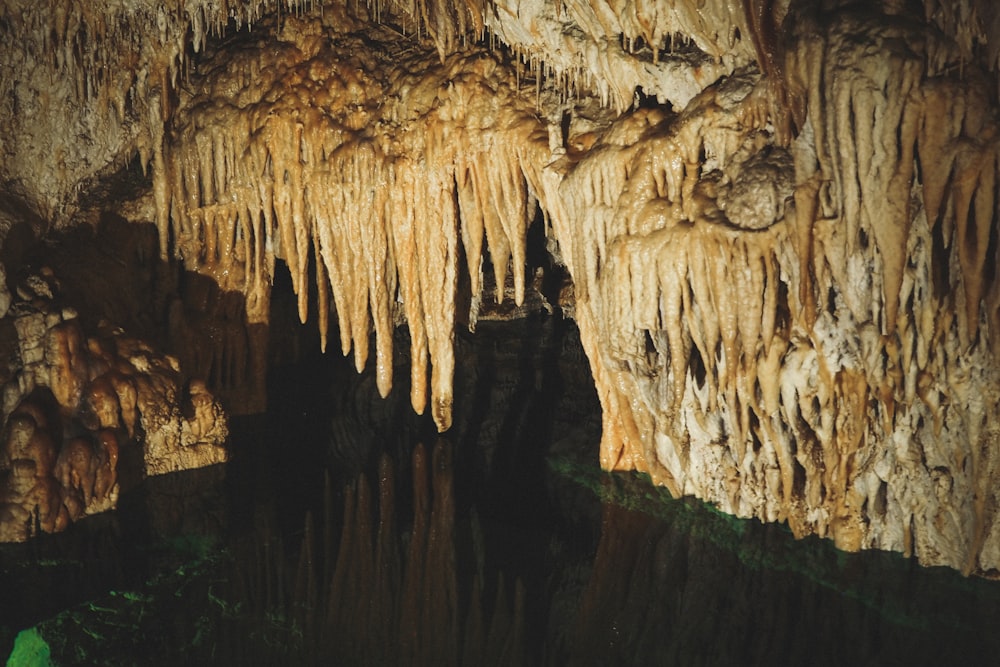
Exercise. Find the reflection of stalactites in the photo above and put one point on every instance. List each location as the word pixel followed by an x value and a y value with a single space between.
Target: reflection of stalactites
pixel 474 634
pixel 410 638
pixel 339 608
pixel 377 602
pixel 353 577
pixel 362 579
pixel 430 615
pixel 305 596
pixel 441 588
pixel 613 599
pixel 359 616
pixel 328 537
pixel 505 639
pixel 383 610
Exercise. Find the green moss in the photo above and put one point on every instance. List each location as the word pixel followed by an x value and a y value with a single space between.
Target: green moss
pixel 30 650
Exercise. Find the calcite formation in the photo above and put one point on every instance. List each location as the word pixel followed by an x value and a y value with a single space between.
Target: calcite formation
pixel 779 218
pixel 73 402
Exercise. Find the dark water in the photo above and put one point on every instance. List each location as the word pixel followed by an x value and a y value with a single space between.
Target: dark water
pixel 346 531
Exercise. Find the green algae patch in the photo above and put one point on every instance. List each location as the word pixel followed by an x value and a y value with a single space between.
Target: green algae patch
pixel 30 650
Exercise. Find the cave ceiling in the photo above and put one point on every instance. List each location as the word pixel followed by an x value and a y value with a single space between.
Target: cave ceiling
pixel 779 217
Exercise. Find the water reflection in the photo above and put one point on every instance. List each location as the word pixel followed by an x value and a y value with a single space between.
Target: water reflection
pixel 376 588
pixel 673 583
pixel 373 577
pixel 503 545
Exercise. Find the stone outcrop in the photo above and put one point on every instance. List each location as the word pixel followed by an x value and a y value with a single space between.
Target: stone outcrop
pixel 76 403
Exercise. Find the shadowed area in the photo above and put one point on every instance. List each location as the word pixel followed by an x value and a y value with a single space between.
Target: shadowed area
pixel 357 535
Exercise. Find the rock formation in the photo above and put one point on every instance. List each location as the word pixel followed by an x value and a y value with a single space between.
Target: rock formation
pixel 73 403
pixel 779 218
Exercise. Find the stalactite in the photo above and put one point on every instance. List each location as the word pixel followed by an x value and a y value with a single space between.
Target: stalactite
pixel 360 202
pixel 757 337
pixel 784 286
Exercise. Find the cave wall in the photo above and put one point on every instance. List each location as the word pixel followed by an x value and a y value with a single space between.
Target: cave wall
pixel 780 218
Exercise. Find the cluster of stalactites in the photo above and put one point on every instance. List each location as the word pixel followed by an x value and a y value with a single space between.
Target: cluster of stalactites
pixel 671 50
pixel 796 334
pixel 667 265
pixel 338 158
pixel 974 25
pixel 898 169
pixel 98 45
pixel 715 27
pixel 877 123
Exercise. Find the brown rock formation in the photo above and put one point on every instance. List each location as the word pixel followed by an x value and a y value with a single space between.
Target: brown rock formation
pixel 779 218
pixel 73 401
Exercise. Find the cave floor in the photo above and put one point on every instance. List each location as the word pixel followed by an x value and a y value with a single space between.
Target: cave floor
pixel 344 530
